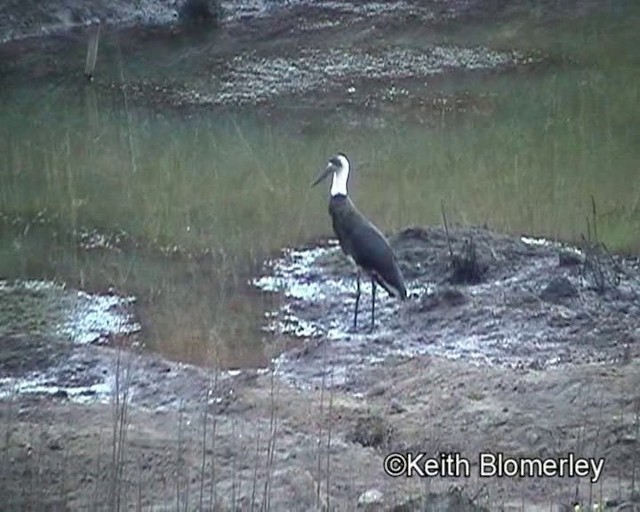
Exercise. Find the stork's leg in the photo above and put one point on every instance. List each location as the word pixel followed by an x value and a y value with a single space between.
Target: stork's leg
pixel 355 315
pixel 373 303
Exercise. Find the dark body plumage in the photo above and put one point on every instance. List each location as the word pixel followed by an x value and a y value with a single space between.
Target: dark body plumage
pixel 360 239
pixel 363 242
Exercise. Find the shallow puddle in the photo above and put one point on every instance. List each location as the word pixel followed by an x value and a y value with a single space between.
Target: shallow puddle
pixel 41 322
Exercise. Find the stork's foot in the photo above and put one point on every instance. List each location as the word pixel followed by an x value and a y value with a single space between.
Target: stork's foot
pixel 372 328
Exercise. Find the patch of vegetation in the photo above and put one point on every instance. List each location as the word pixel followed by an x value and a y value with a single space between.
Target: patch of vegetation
pixel 200 12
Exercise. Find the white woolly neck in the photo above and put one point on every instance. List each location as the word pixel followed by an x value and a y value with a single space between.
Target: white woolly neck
pixel 340 177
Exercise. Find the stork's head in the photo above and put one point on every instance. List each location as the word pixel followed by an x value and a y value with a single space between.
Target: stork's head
pixel 338 166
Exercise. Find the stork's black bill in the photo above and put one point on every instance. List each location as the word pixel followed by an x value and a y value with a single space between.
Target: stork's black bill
pixel 334 164
pixel 321 176
pixel 360 239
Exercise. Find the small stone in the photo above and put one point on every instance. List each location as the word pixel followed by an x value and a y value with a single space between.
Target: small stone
pixel 567 258
pixel 557 289
pixel 370 497
pixel 55 446
pixel 446 297
pixel 200 12
pixel 396 407
pixel 377 390
pixel 370 431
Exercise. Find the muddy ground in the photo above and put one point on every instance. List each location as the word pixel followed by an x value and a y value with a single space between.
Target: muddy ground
pixel 536 355
pixel 565 379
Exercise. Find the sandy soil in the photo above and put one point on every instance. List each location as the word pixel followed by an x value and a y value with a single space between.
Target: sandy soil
pixel 61 452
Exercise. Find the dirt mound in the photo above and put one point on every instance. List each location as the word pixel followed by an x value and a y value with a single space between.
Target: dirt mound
pixel 475 295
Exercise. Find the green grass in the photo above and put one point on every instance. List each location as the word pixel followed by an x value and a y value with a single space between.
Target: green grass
pixel 557 135
pixel 239 184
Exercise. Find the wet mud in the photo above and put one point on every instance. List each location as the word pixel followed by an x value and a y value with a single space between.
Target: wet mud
pixel 533 305
pixel 49 332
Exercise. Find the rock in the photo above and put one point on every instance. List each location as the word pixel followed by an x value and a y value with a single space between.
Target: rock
pixel 395 407
pixel 567 258
pixel 370 498
pixel 200 12
pixel 370 431
pixel 446 297
pixel 558 288
pixel 55 446
pixel 60 393
pixel 377 390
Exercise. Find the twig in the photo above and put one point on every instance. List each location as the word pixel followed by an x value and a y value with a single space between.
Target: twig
pixel 214 424
pixel 330 412
pixel 446 228
pixel 322 389
pixel 255 473
pixel 123 85
pixel 92 53
pixel 271 445
pixel 595 218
